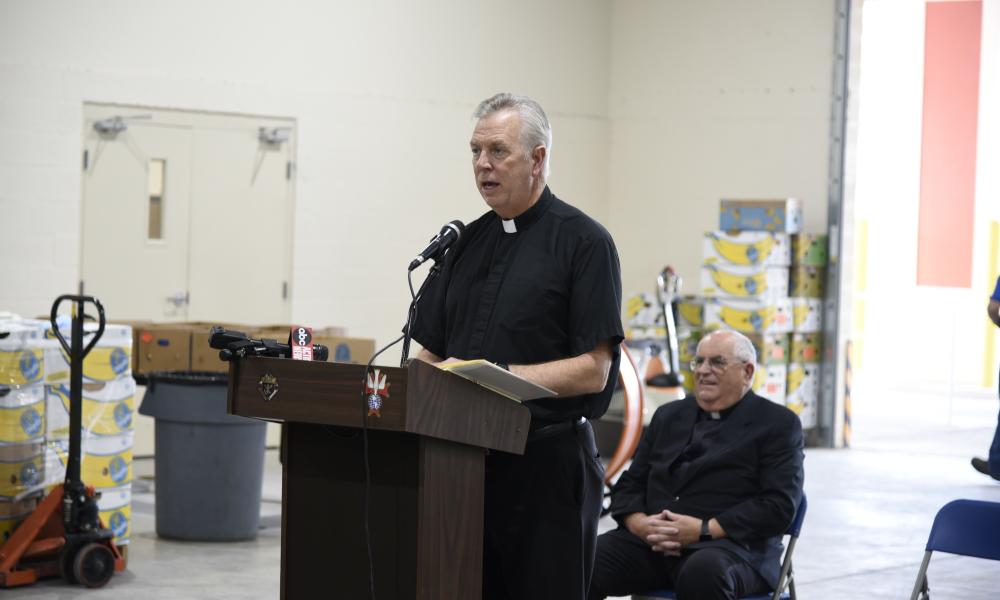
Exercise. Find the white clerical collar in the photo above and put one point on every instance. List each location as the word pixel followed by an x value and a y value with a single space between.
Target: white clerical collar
pixel 509 226
pixel 714 415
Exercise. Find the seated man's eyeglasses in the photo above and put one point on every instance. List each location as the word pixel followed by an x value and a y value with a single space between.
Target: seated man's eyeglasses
pixel 716 363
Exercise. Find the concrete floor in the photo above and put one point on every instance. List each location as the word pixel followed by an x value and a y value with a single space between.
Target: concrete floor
pixel 870 510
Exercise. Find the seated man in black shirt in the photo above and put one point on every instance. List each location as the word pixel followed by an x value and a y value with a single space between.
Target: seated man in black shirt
pixel 711 489
pixel 533 285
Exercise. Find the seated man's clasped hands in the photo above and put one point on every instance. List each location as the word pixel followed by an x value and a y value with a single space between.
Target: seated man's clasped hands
pixel 712 487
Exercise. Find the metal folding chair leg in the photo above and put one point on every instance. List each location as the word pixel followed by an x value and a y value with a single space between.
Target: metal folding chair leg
pixel 920 589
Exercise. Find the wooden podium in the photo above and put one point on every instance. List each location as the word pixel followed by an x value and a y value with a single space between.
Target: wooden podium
pixel 426 449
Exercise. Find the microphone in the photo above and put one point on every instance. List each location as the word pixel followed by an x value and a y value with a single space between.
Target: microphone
pixel 439 244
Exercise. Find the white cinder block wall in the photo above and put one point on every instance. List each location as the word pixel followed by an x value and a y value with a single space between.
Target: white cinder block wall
pixel 382 92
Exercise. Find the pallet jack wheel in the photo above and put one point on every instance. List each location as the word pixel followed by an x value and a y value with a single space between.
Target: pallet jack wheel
pixel 94 565
pixel 66 556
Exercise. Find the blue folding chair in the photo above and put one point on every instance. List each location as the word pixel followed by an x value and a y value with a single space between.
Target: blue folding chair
pixel 786 579
pixel 966 527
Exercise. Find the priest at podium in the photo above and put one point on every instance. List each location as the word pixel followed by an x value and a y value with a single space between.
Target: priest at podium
pixel 533 285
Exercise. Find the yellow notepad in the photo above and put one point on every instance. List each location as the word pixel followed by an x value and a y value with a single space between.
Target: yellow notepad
pixel 499 380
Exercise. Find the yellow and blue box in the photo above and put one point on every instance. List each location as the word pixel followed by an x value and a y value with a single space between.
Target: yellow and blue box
pixel 810 249
pixel 807 315
pixel 12 512
pixel 110 359
pixel 690 313
pixel 106 460
pixel 22 359
pixel 806 282
pixel 772 348
pixel 22 414
pixel 115 509
pixel 22 469
pixel 759 248
pixel 740 281
pixel 108 408
pixel 749 315
pixel 779 215
pixel 803 392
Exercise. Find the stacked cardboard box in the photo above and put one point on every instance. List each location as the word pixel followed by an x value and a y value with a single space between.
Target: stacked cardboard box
pixel 763 277
pixel 34 422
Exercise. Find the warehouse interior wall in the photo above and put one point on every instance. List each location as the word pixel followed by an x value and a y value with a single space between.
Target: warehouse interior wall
pixel 382 93
pixel 913 337
pixel 659 109
pixel 712 100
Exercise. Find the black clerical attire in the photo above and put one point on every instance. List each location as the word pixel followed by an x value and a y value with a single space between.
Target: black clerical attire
pixel 743 468
pixel 543 286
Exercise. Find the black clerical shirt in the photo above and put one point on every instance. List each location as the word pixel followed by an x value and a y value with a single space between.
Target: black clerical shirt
pixel 543 286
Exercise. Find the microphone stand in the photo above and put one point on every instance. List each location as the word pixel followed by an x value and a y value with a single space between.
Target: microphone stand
pixel 412 312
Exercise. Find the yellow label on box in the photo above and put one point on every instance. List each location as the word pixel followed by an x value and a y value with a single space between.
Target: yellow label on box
pixel 119 521
pixel 106 461
pixel 103 363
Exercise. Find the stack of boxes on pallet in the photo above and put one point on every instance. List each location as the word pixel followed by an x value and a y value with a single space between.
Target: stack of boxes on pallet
pixel 763 277
pixel 34 420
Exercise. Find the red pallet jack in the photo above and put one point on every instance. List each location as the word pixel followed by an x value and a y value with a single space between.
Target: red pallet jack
pixel 64 534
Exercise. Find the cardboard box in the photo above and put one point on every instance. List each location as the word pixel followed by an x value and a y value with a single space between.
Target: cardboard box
pixel 760 248
pixel 22 414
pixel 803 392
pixel 806 282
pixel 22 359
pixel 738 281
pixel 810 249
pixel 109 359
pixel 770 382
pixel 749 315
pixel 807 315
pixel 690 313
pixel 806 347
pixel 779 215
pixel 108 408
pixel 161 347
pixel 772 348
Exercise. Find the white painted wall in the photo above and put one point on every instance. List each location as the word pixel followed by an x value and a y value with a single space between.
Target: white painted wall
pixel 382 92
pixel 713 99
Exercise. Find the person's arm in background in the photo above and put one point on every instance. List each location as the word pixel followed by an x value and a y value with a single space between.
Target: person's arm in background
pixel 993 310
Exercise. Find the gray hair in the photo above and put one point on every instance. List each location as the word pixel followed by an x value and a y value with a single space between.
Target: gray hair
pixel 743 348
pixel 535 128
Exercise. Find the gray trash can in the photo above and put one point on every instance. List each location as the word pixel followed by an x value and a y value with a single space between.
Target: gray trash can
pixel 209 464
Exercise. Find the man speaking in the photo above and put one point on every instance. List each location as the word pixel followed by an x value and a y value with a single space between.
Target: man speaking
pixel 533 285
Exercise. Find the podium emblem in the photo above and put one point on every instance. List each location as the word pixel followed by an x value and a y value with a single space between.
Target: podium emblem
pixel 267 385
pixel 377 390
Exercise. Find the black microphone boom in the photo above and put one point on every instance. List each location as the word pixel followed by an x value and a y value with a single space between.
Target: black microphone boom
pixel 439 244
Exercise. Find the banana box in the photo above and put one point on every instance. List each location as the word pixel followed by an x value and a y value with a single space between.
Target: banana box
pixel 769 381
pixel 108 408
pixel 22 360
pixel 22 414
pixel 759 248
pixel 739 281
pixel 806 282
pixel 690 313
pixel 687 347
pixel 810 249
pixel 806 347
pixel 803 392
pixel 687 381
pixel 779 215
pixel 106 460
pixel 115 509
pixel 22 468
pixel 772 348
pixel 110 359
pixel 749 315
pixel 807 315
pixel 12 512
